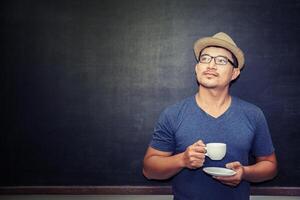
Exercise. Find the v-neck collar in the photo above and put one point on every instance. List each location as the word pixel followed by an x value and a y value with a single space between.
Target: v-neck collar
pixel 223 115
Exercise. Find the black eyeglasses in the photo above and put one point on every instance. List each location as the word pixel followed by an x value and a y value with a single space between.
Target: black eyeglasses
pixel 219 60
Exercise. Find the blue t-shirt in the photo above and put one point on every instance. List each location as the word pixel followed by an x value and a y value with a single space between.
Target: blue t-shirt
pixel 242 127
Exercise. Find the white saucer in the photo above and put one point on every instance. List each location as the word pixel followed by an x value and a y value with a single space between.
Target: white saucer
pixel 219 171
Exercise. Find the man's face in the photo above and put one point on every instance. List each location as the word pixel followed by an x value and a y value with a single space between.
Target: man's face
pixel 212 75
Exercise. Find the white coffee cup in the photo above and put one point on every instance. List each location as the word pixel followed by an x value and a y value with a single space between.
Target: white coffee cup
pixel 215 151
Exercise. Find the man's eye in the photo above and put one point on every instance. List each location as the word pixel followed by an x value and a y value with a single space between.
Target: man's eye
pixel 221 61
pixel 204 58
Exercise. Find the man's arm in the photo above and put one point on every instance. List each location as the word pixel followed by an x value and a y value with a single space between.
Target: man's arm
pixel 164 165
pixel 160 164
pixel 264 169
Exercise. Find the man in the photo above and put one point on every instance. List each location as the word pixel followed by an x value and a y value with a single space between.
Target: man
pixel 177 149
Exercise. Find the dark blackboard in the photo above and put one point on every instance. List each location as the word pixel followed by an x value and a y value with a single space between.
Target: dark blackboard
pixel 83 82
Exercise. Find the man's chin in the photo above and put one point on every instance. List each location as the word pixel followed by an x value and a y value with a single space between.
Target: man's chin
pixel 208 85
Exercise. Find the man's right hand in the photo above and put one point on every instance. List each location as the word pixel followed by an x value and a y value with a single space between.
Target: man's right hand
pixel 194 155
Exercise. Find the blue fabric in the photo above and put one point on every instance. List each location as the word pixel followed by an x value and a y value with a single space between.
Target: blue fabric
pixel 242 127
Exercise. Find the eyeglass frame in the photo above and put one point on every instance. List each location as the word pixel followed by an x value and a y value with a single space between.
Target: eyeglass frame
pixel 213 58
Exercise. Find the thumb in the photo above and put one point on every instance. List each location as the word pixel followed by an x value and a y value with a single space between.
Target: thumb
pixel 233 165
pixel 199 143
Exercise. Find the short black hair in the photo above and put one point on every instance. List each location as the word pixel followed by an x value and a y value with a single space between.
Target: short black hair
pixel 235 61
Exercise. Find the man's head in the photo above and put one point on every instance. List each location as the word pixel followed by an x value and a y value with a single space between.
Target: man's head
pixel 220 40
pixel 216 68
pixel 219 61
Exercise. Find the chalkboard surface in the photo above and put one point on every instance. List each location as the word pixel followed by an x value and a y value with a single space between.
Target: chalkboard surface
pixel 83 82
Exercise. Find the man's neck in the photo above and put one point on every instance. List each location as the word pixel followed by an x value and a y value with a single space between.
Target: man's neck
pixel 214 97
pixel 214 102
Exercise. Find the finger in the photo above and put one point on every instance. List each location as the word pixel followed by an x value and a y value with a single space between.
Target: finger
pixel 199 143
pixel 199 149
pixel 197 163
pixel 225 178
pixel 194 164
pixel 198 155
pixel 196 148
pixel 233 165
pixel 230 184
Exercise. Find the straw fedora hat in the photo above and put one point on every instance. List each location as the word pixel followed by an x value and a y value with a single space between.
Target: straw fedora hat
pixel 223 40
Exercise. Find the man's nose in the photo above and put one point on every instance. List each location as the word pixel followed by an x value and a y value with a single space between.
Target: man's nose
pixel 212 64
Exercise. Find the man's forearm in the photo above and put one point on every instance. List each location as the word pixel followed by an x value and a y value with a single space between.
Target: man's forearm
pixel 162 167
pixel 261 171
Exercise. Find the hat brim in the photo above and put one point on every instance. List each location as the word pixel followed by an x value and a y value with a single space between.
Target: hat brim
pixel 209 41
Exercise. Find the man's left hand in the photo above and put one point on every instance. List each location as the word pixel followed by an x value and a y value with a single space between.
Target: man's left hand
pixel 235 179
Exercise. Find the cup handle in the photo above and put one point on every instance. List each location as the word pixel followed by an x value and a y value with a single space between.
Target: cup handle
pixel 206 151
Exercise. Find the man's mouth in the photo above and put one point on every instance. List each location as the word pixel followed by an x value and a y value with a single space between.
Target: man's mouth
pixel 210 73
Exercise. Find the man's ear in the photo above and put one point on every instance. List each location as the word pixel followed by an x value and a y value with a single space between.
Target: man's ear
pixel 236 72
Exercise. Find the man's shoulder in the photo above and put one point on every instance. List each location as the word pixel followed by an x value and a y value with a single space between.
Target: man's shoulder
pixel 180 106
pixel 247 107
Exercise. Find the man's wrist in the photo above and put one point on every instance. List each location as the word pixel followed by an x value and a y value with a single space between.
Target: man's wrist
pixel 245 172
pixel 181 160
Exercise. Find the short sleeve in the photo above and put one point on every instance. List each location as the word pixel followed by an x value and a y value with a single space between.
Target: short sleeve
pixel 163 136
pixel 262 144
